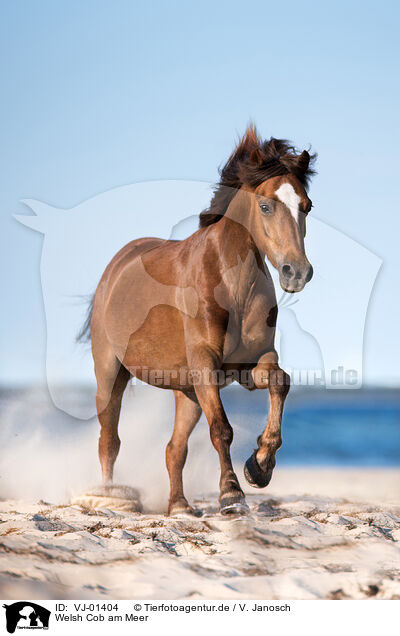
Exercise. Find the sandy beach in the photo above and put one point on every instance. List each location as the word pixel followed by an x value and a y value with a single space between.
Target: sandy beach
pixel 314 534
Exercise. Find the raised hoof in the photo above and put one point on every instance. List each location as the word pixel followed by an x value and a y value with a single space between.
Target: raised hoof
pixel 233 505
pixel 255 476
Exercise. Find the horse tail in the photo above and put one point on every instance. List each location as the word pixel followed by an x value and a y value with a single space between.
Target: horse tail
pixel 84 334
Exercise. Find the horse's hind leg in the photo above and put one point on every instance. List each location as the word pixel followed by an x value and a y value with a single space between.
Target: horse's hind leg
pixel 187 414
pixel 112 379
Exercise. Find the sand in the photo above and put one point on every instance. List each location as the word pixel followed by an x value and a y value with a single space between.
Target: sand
pixel 313 534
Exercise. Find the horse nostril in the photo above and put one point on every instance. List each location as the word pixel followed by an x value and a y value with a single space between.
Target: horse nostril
pixel 287 271
pixel 309 274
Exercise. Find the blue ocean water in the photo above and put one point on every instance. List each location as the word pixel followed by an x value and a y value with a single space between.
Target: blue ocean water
pixel 320 427
pixel 324 427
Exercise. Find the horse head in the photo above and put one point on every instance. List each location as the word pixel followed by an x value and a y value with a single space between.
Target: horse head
pixel 279 211
pixel 263 186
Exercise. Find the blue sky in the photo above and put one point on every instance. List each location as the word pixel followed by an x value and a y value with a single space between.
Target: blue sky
pixel 98 94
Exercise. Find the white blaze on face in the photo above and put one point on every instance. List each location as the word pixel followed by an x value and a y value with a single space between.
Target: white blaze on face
pixel 287 194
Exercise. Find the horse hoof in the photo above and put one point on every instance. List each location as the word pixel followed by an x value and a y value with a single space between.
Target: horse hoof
pixel 233 505
pixel 185 512
pixel 255 476
pixel 122 498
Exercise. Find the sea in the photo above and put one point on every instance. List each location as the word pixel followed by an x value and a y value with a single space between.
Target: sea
pixel 321 427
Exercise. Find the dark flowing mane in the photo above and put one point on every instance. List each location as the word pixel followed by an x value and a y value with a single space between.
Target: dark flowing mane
pixel 252 162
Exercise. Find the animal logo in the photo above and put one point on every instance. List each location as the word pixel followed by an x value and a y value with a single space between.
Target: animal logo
pixel 26 615
pixel 78 243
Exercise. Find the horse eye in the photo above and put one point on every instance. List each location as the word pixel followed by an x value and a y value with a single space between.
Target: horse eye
pixel 265 209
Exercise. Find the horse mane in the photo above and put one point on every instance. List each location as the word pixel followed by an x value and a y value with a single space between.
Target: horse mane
pixel 252 162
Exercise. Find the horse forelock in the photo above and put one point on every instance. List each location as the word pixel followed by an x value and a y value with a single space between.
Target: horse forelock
pixel 252 162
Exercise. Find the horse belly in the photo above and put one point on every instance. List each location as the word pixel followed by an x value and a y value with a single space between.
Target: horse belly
pixel 156 351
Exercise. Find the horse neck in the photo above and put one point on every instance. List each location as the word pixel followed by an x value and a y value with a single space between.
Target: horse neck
pixel 237 248
pixel 239 228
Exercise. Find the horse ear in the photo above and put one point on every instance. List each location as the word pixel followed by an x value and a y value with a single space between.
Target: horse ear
pixel 44 215
pixel 303 161
pixel 255 156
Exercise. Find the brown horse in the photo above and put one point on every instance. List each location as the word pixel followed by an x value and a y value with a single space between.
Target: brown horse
pixel 194 315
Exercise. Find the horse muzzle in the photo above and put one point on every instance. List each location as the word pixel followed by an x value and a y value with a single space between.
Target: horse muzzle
pixel 294 277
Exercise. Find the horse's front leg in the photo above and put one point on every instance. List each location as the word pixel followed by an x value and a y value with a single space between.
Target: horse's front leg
pixel 232 499
pixel 267 374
